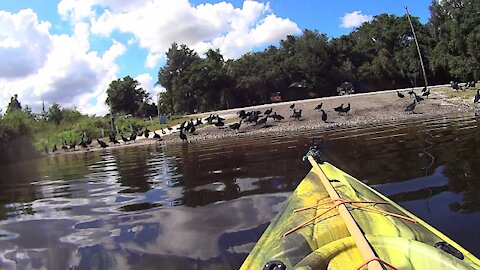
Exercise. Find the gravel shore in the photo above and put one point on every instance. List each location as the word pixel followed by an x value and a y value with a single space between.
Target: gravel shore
pixel 366 109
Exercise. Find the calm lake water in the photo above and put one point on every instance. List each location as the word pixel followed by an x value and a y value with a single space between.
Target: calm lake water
pixel 203 205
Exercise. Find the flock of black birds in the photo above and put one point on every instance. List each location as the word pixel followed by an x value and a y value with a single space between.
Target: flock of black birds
pixel 253 118
pixel 426 92
pixel 416 98
pixel 86 142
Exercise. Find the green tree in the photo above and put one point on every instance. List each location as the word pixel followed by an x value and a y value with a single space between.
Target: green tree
pixel 180 95
pixel 454 24
pixel 125 96
pixel 54 114
pixel 14 104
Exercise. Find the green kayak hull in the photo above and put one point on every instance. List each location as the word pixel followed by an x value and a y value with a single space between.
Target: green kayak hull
pixel 325 243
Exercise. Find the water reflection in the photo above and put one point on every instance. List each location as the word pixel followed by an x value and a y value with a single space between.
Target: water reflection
pixel 203 205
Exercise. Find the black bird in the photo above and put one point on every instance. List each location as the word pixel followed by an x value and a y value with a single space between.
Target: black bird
pixel 83 143
pixel 400 95
pixel 324 116
pixel 262 121
pixel 219 123
pixel 418 98
pixel 163 131
pixel 477 97
pixel 183 136
pixel 192 130
pixel 424 89
pixel 102 144
pixel 133 137
pixel 346 109
pixel 156 136
pixel 319 107
pixel 455 86
pixel 146 133
pixel 236 126
pixel 339 108
pixel 426 93
pixel 54 149
pixel 242 114
pixel 268 112
pixel 72 145
pixel 411 92
pixel 124 139
pixel 64 146
pixel 199 122
pixel 297 114
pixel 292 106
pixel 169 128
pixel 277 117
pixel 411 107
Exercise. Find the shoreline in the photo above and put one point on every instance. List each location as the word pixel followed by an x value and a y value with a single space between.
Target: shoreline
pixel 367 109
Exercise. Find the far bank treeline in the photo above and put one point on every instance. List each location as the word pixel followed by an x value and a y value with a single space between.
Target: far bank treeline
pixel 380 54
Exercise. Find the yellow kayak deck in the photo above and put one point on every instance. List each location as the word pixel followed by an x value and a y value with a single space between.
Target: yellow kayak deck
pixel 317 238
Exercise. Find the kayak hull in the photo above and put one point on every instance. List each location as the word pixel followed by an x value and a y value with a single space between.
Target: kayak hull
pixel 326 243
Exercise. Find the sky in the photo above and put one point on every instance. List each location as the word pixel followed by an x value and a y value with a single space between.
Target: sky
pixel 69 51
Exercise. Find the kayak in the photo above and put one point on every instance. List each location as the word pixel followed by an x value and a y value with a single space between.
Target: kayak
pixel 359 228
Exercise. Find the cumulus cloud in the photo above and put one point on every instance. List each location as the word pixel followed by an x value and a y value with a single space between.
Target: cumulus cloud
pixel 233 30
pixel 70 74
pixel 147 83
pixel 38 65
pixel 354 19
pixel 24 43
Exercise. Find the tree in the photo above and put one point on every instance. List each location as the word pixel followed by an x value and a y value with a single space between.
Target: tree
pixel 174 76
pixel 14 104
pixel 125 96
pixel 454 24
pixel 54 114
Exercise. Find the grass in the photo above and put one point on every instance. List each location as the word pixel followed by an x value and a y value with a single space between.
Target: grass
pixel 467 94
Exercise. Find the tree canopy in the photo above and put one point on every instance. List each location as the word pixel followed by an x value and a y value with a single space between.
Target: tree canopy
pixel 126 96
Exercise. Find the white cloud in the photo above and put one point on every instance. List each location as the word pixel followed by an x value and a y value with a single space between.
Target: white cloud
pixel 147 83
pixel 233 30
pixel 38 65
pixel 24 43
pixel 354 19
pixel 71 74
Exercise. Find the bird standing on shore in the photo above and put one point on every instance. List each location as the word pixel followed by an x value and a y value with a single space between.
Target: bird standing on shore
pixel 156 136
pixel 183 136
pixel 400 95
pixel 297 114
pixel 477 97
pixel 411 107
pixel 339 108
pixel 346 109
pixel 324 116
pixel 426 93
pixel 292 106
pixel 236 126
pixel 318 107
pixel 102 144
pixel 277 117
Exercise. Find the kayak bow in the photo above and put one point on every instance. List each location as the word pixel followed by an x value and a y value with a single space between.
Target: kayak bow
pixel 334 221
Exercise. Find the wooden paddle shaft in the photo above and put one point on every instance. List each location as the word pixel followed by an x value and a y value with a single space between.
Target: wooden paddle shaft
pixel 362 244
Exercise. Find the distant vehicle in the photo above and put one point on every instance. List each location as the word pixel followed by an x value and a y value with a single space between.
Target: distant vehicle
pixel 345 88
pixel 276 97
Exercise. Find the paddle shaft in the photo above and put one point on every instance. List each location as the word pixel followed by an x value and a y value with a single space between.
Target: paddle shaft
pixel 360 241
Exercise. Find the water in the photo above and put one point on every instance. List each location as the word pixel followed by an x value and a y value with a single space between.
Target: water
pixel 203 205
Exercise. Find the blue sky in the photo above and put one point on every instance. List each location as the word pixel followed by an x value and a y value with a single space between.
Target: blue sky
pixel 76 48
